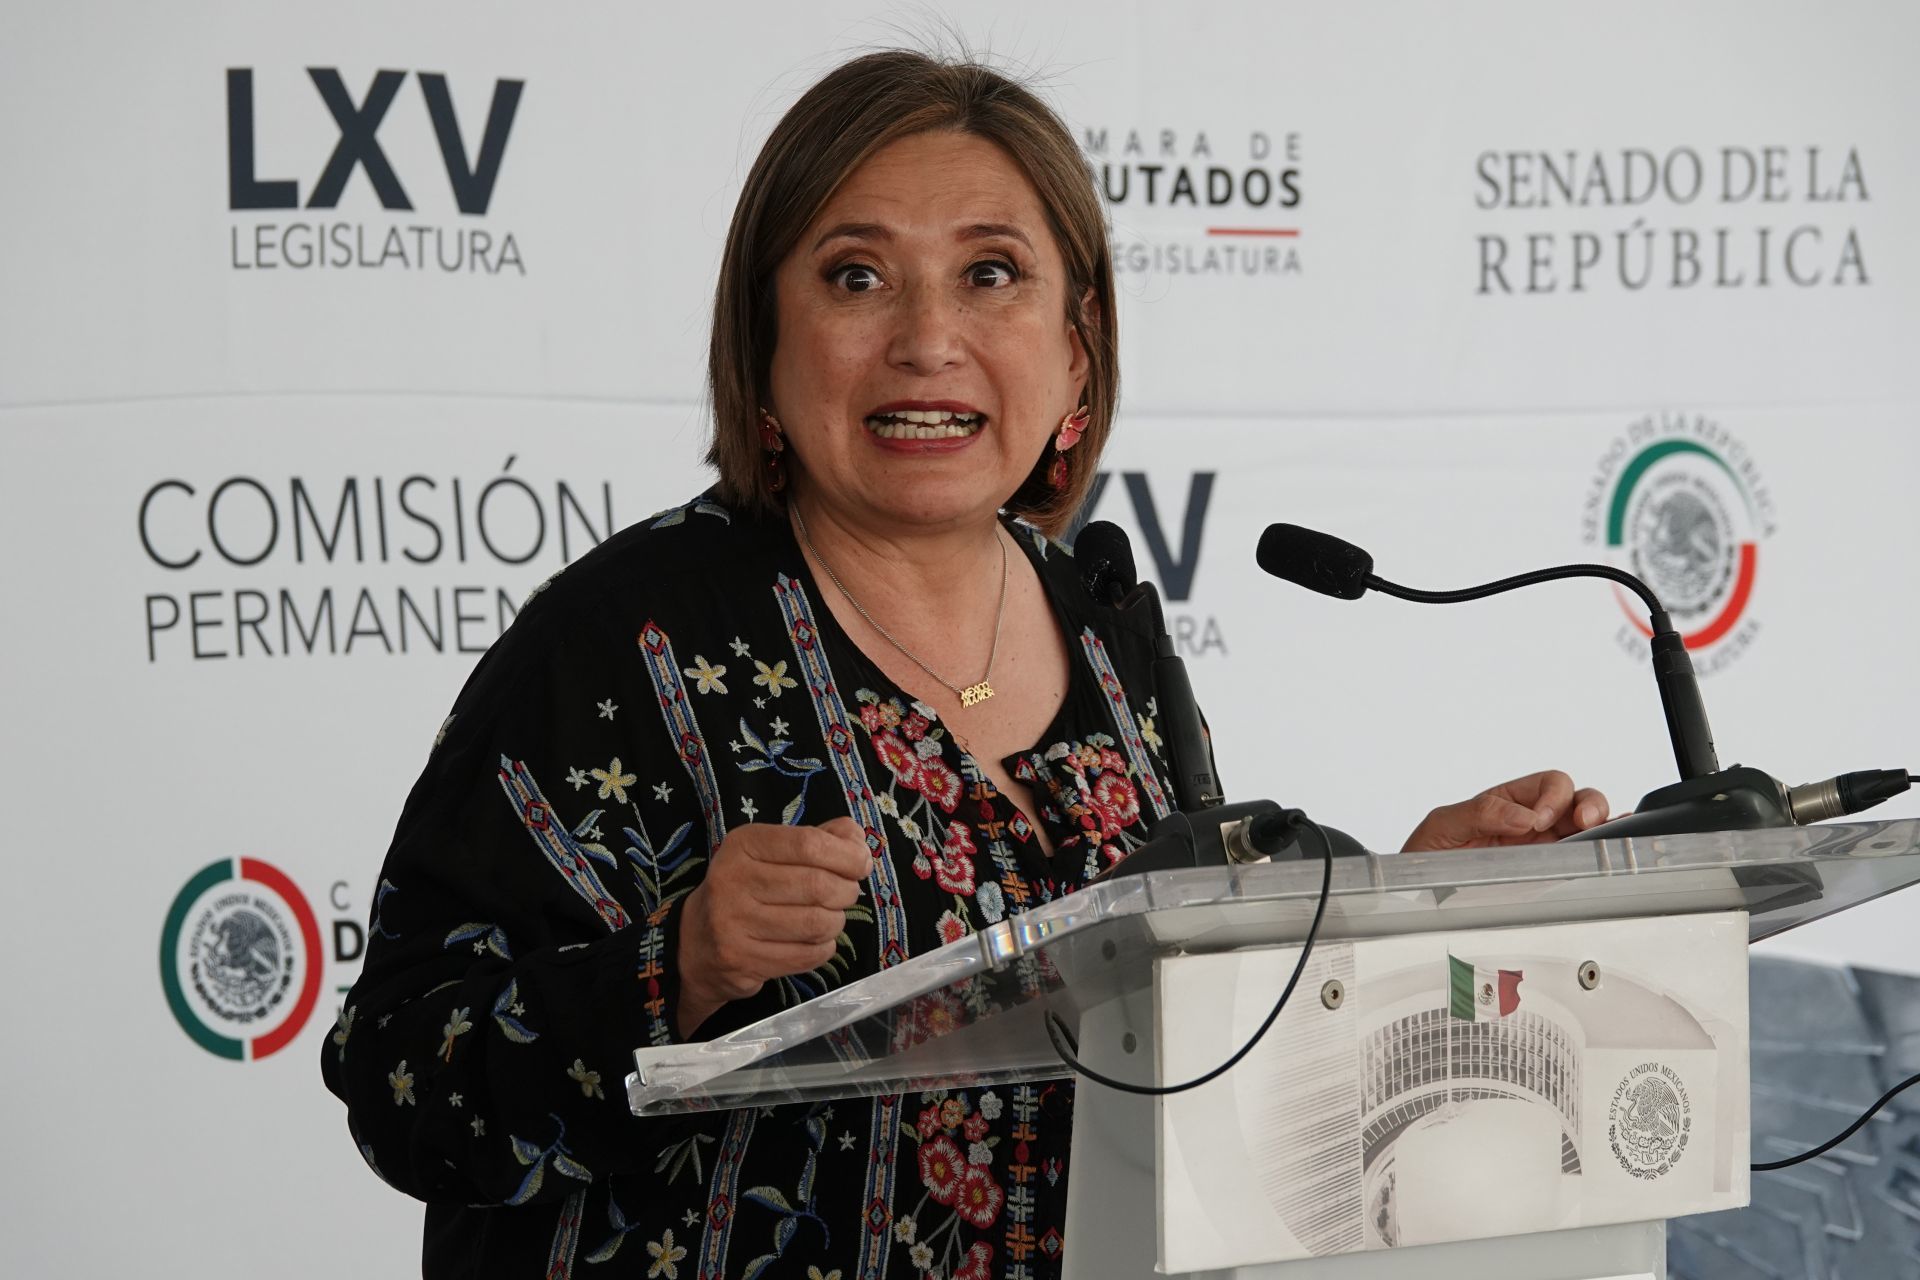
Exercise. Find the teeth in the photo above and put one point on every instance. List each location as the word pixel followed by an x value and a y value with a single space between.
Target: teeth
pixel 909 431
pixel 926 415
pixel 924 424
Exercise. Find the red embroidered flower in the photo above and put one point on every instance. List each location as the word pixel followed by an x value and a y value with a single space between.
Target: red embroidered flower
pixel 940 1167
pixel 1112 760
pixel 975 1127
pixel 975 1266
pixel 954 873
pixel 936 781
pixel 950 927
pixel 915 727
pixel 953 865
pixel 929 1123
pixel 1116 799
pixel 980 1196
pixel 935 1016
pixel 870 717
pixel 897 756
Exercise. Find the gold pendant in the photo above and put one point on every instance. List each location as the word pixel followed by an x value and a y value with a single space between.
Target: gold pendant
pixel 974 693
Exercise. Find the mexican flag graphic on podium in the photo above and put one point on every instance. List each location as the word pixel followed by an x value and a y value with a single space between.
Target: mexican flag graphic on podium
pixel 1480 994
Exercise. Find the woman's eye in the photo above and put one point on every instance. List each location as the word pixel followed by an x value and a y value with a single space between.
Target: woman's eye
pixel 855 277
pixel 992 275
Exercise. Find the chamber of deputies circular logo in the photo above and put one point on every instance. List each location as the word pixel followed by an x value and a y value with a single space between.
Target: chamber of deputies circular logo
pixel 240 959
pixel 1680 503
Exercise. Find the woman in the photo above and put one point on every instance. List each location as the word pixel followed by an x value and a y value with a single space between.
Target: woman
pixel 834 713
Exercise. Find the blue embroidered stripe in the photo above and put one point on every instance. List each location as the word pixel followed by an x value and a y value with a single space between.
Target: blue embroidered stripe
pixel 889 917
pixel 556 842
pixel 883 1141
pixel 664 669
pixel 566 1237
pixel 1123 720
pixel 722 1197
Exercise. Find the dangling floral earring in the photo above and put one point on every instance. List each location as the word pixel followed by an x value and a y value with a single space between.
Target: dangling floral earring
pixel 1072 427
pixel 773 448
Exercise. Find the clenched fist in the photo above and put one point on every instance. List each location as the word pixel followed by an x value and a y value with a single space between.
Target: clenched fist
pixel 773 903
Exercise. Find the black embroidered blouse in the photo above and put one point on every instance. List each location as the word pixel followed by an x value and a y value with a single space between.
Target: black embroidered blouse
pixel 681 679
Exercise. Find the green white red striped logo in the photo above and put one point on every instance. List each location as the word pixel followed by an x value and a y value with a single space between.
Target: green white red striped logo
pixel 1685 520
pixel 240 959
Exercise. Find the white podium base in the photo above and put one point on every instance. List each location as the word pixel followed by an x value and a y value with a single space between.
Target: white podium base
pixel 1111 1223
pixel 1181 1184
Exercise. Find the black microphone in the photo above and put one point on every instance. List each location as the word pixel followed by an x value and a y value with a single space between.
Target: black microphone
pixel 1105 558
pixel 1707 798
pixel 1314 560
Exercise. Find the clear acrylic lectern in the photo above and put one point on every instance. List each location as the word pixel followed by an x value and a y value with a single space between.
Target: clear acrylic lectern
pixel 1502 1062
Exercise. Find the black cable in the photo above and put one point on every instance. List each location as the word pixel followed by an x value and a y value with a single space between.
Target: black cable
pixel 1056 1029
pixel 1843 1135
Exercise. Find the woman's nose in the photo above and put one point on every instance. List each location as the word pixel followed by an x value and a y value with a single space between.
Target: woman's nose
pixel 927 331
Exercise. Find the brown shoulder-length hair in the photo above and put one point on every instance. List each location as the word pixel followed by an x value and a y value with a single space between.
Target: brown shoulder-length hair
pixel 860 107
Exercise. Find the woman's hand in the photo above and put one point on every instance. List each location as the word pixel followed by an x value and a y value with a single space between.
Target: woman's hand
pixel 1536 809
pixel 773 903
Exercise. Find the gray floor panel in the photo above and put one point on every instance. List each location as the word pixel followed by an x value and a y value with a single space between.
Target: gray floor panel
pixel 1827 1042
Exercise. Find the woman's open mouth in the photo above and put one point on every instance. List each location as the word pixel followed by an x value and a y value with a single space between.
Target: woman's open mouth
pixel 925 424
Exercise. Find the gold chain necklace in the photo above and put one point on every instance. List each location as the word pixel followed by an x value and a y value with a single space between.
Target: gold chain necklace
pixel 977 692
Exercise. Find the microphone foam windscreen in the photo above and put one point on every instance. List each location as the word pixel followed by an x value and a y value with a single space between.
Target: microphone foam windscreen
pixel 1317 561
pixel 1105 558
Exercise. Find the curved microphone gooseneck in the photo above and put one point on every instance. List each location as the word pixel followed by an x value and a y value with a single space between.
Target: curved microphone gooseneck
pixel 1321 562
pixel 1707 797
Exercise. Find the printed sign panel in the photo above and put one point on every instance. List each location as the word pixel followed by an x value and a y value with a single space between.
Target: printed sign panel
pixel 1465 1087
pixel 326 342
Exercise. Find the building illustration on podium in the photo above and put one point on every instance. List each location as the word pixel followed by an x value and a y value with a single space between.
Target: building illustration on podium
pixel 1377 1147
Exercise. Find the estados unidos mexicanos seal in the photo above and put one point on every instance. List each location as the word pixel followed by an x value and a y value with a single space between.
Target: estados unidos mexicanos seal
pixel 1649 1120
pixel 241 956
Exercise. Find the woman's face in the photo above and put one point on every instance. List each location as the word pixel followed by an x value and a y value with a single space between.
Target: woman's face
pixel 929 287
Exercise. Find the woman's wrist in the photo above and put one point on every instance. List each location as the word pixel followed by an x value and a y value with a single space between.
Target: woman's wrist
pixel 697 1001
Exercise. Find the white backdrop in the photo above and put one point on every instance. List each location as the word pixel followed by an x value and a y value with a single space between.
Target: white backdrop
pixel 1468 262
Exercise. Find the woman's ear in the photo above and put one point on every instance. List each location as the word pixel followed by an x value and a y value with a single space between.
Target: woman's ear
pixel 1079 365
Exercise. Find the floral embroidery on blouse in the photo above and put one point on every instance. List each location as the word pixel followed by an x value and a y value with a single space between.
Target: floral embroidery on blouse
pixel 676 682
